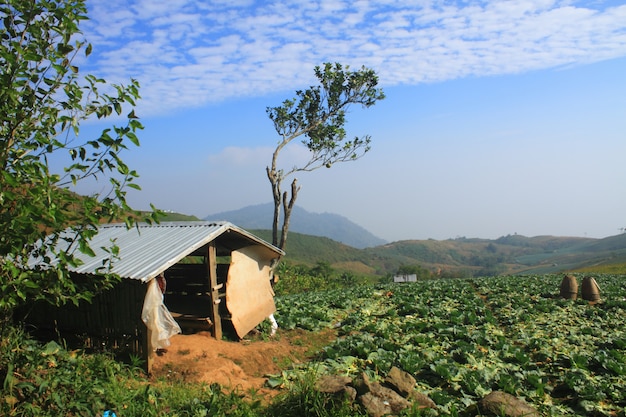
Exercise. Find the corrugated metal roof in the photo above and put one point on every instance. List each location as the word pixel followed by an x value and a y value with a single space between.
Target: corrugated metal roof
pixel 147 250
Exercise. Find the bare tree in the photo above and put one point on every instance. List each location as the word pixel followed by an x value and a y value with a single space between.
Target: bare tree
pixel 318 114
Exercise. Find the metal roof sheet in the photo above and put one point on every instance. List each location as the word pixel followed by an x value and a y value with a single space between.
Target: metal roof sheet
pixel 147 250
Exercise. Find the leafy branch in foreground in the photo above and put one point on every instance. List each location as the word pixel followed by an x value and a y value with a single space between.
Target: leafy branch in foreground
pixel 43 101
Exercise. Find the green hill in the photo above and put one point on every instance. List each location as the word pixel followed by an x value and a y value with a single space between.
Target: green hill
pixel 454 257
pixel 512 254
pixel 177 217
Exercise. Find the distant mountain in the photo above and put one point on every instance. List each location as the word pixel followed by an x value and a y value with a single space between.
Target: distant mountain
pixel 329 225
pixel 511 254
pixel 463 257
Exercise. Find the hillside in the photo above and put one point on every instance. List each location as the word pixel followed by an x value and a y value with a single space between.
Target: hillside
pixel 511 254
pixel 177 217
pixel 514 254
pixel 330 225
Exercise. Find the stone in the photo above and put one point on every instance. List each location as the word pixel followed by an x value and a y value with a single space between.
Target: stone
pixel 332 384
pixel 363 384
pixel 350 392
pixel 373 406
pixel 501 404
pixel 378 400
pixel 402 382
pixel 336 385
pixel 422 400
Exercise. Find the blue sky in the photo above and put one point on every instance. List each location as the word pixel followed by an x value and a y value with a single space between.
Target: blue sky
pixel 501 117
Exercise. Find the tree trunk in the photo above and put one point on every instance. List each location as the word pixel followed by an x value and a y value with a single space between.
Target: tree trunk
pixel 275 182
pixel 287 207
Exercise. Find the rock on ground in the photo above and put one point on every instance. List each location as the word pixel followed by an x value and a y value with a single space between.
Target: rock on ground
pixel 500 404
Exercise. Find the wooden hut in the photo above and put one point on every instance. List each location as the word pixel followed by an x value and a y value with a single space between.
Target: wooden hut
pixel 217 274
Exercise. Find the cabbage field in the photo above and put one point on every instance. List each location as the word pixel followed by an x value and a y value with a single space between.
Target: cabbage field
pixel 463 338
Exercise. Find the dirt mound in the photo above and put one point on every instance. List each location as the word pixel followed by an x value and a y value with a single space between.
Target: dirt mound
pixel 242 365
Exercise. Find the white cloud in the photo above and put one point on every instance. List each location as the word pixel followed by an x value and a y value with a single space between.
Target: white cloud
pixel 238 156
pixel 247 158
pixel 187 53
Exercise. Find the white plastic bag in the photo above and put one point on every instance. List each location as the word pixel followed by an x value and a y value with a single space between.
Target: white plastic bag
pixel 274 324
pixel 156 316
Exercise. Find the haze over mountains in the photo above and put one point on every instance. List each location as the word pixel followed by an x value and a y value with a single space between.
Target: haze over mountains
pixel 329 225
pixel 335 239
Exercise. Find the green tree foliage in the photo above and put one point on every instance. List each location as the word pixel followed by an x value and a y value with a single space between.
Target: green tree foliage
pixel 322 269
pixel 319 114
pixel 297 278
pixel 43 101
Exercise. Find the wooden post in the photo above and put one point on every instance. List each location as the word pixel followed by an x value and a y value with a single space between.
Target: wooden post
pixel 143 334
pixel 148 354
pixel 215 292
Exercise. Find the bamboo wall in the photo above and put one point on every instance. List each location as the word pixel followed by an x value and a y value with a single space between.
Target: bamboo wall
pixel 113 319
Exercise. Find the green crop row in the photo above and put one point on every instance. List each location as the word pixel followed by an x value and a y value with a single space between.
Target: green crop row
pixel 462 339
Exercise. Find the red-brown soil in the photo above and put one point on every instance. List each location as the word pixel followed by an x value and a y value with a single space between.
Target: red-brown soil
pixel 242 366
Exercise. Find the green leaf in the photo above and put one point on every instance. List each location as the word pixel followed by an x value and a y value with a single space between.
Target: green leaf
pixel 274 381
pixel 51 348
pixel 133 138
